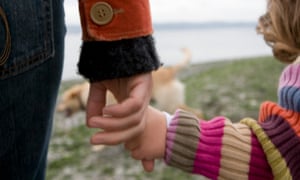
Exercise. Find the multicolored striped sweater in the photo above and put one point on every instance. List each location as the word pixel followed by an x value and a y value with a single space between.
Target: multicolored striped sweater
pixel 265 149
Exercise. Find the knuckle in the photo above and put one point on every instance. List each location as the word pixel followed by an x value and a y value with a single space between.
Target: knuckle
pixel 136 120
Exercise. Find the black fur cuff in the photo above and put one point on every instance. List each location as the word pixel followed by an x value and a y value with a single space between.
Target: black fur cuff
pixel 103 60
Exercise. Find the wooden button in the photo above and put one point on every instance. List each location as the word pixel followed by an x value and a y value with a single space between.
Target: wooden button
pixel 101 13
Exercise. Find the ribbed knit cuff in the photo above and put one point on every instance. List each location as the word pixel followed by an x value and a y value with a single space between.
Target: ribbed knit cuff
pixel 182 141
pixel 215 149
pixel 103 60
pixel 185 149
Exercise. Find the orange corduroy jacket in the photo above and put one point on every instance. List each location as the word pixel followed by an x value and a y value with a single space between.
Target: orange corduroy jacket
pixel 112 20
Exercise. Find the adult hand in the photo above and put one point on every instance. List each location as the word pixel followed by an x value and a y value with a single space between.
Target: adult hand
pixel 124 120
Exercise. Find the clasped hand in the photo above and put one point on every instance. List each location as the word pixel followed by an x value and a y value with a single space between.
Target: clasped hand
pixel 120 122
pixel 125 120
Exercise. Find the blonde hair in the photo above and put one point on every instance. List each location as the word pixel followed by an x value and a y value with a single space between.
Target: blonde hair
pixel 280 27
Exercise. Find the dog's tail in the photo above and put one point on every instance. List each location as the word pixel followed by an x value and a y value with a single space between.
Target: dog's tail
pixel 183 63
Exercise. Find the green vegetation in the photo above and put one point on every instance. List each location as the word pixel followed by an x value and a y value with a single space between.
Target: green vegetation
pixel 234 89
pixel 231 88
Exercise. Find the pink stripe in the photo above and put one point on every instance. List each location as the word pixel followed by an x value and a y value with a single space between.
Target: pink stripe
pixel 290 76
pixel 207 161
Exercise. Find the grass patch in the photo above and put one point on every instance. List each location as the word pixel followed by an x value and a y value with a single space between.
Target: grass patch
pixel 234 89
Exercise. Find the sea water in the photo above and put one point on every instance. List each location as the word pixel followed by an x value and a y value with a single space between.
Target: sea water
pixel 206 43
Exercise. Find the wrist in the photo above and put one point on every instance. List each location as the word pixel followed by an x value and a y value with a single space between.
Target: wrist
pixel 158 126
pixel 168 118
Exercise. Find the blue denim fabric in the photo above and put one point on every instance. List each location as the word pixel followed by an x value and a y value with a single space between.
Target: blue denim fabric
pixel 30 25
pixel 29 82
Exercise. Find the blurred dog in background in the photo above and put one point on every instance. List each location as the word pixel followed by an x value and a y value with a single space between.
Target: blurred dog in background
pixel 168 92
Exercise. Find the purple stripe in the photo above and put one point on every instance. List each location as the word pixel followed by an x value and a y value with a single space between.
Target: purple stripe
pixel 259 167
pixel 290 76
pixel 286 140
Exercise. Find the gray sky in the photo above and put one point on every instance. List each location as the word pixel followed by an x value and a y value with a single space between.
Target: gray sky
pixel 191 10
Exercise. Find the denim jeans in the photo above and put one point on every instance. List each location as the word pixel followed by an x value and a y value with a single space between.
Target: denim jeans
pixel 32 34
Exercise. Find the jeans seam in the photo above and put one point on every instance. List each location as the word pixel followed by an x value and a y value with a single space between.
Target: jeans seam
pixel 34 59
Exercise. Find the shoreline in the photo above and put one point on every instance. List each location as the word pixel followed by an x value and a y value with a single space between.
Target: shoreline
pixel 191 69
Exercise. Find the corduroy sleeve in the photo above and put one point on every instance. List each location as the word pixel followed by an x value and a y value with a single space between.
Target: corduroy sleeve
pixel 117 39
pixel 215 149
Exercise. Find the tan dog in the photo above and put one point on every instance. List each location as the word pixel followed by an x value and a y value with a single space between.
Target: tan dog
pixel 168 91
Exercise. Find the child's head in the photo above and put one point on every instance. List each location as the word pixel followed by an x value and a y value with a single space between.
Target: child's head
pixel 280 27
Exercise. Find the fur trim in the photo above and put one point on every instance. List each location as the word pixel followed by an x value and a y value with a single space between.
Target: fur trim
pixel 103 60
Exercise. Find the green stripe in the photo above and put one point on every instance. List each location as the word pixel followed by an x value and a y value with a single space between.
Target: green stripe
pixel 276 161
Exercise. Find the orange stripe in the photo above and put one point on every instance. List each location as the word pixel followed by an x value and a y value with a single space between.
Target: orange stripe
pixel 270 109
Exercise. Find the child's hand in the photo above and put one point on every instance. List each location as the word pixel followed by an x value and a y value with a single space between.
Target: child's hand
pixel 150 145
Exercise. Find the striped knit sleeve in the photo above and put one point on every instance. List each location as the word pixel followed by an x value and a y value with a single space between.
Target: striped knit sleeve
pixel 278 129
pixel 278 133
pixel 217 149
pixel 289 88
